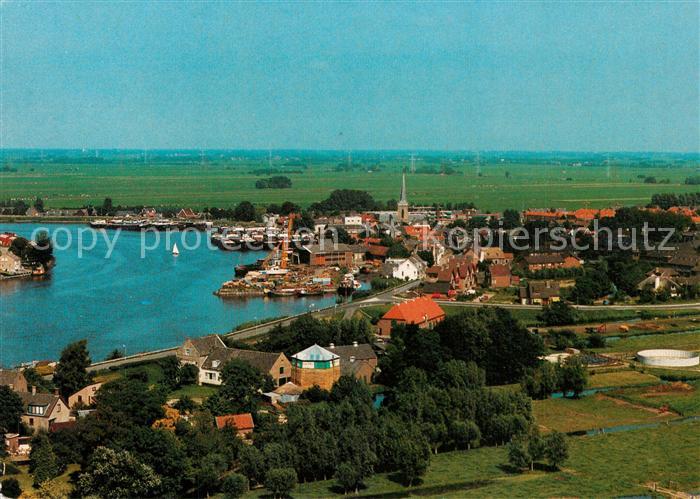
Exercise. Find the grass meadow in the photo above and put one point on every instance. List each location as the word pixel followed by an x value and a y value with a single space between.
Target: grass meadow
pixel 500 185
pixel 599 466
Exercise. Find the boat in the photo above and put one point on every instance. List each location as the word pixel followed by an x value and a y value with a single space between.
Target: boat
pixel 284 292
pixel 348 285
pixel 176 252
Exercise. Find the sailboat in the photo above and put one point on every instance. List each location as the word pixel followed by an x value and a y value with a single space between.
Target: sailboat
pixel 176 251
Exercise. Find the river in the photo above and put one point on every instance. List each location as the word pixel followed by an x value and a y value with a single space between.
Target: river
pixel 125 301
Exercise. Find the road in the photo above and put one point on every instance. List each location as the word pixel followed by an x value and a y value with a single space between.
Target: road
pixel 518 306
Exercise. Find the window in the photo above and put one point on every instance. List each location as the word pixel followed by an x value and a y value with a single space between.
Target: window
pixel 282 370
pixel 31 421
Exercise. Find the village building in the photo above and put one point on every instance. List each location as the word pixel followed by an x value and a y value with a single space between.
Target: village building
pixel 356 360
pixel 662 279
pixel 327 254
pixel 85 396
pixel 422 311
pixel 495 255
pixel 539 293
pixel 402 207
pixel 13 379
pixel 376 252
pixel 500 276
pixel 43 409
pixel 315 366
pixel 408 269
pixel 274 364
pixel 210 354
pixel 285 394
pixel 242 423
pixel 187 214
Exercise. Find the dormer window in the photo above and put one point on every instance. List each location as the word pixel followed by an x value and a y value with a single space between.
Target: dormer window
pixel 215 363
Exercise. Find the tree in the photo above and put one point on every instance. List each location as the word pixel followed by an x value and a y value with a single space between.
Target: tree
pixel 252 464
pixel 208 472
pixel 39 204
pixel 129 402
pixel 116 474
pixel 10 488
pixel 43 464
pixel 556 449
pixel 71 372
pixel 107 206
pixel 349 477
pixel 573 376
pixel 511 219
pixel 558 313
pixel 280 481
pixel 465 434
pixel 518 454
pixel 244 211
pixel 240 390
pixel 115 354
pixel 427 257
pixel 188 375
pixel 11 410
pixel 234 485
pixel 413 458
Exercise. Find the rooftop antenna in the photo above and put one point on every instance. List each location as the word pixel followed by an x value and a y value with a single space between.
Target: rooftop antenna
pixel 413 163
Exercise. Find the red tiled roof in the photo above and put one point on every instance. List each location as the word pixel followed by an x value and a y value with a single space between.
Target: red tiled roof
pixel 242 422
pixel 415 311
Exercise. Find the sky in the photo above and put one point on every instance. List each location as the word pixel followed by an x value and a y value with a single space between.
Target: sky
pixel 577 76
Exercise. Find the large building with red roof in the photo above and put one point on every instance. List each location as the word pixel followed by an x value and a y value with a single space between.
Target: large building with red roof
pixel 422 311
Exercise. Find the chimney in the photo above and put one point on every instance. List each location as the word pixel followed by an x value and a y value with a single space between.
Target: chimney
pixel 331 345
pixel 354 343
pixel 33 390
pixel 352 358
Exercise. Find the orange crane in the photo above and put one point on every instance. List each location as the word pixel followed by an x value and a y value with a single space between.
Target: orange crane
pixel 285 243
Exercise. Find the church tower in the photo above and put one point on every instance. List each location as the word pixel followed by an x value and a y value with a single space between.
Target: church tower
pixel 402 208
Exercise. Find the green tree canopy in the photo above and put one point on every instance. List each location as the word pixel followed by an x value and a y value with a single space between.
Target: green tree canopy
pixel 71 374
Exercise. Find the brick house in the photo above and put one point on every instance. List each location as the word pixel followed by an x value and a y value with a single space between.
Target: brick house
pixel 315 366
pixel 422 311
pixel 195 350
pixel 500 276
pixel 14 379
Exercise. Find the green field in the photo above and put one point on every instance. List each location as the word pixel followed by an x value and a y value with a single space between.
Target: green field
pixel 684 341
pixel 589 413
pixel 600 466
pixel 683 399
pixel 223 183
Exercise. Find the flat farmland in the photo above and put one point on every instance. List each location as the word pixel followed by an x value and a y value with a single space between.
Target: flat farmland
pixel 225 183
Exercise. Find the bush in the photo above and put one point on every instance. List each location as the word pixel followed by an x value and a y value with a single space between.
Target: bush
pixel 10 487
pixel 234 485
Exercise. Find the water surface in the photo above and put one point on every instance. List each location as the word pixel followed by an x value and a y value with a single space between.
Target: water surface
pixel 125 301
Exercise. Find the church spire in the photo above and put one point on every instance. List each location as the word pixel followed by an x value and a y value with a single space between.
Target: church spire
pixel 402 199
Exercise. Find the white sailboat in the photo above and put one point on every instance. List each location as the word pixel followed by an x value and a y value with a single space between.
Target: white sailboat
pixel 176 251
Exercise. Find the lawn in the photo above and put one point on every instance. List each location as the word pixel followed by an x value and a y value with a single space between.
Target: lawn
pixel 589 413
pixel 620 378
pixel 26 480
pixel 683 398
pixel 225 180
pixel 689 340
pixel 599 466
pixel 196 392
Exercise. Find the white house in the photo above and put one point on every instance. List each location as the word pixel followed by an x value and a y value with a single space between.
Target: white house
pixel 9 262
pixel 352 220
pixel 408 269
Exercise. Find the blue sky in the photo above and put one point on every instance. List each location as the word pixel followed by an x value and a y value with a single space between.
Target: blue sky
pixel 459 76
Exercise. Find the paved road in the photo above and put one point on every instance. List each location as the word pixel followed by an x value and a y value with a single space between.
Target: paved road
pixel 518 306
